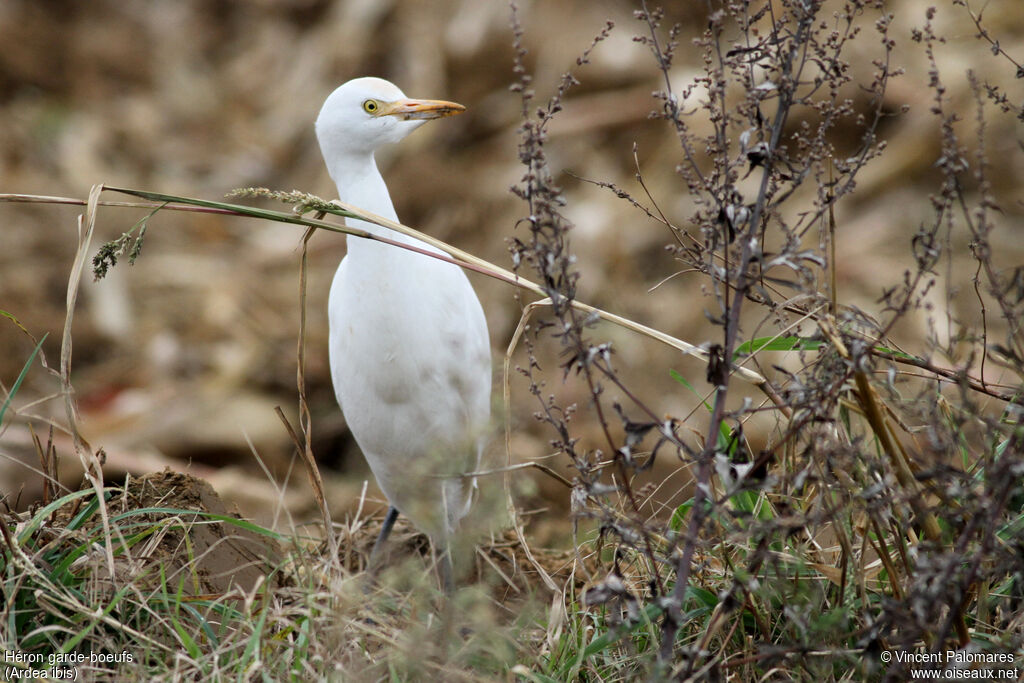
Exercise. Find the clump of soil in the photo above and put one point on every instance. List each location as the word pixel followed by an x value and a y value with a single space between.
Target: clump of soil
pixel 194 553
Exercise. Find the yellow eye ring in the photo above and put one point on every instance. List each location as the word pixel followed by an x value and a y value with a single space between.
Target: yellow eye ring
pixel 371 106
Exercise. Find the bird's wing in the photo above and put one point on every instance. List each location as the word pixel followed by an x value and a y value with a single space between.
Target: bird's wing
pixel 335 312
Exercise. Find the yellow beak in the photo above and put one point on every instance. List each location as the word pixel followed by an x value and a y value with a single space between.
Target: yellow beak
pixel 420 109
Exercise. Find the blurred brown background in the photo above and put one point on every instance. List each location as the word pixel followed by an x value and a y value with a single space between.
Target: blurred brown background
pixel 181 358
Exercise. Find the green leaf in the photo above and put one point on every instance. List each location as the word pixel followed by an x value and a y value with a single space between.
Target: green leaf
pixel 727 441
pixel 744 501
pixel 686 383
pixel 894 353
pixel 21 377
pixel 747 501
pixel 724 434
pixel 793 343
pixel 777 344
pixel 679 516
pixel 651 612
pixel 10 316
pixel 1012 529
pixel 73 642
pixel 522 671
pixel 705 597
pixel 228 519
pixel 44 513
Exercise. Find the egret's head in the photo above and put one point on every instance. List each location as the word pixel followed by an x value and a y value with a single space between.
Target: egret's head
pixel 365 113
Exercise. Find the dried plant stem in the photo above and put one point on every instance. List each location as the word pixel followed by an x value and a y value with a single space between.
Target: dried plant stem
pixel 869 401
pixel 18 198
pixel 91 464
pixel 506 394
pixel 479 265
pixel 898 458
pixel 833 289
pixel 456 256
pixel 305 419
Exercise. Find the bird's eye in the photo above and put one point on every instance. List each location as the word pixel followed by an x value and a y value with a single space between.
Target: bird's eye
pixel 370 106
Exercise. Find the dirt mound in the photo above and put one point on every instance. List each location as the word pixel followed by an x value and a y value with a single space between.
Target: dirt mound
pixel 182 537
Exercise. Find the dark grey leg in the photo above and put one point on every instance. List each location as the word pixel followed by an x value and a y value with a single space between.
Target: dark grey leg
pixel 385 531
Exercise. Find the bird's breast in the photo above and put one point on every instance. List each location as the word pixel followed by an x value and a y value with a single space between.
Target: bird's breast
pixel 409 353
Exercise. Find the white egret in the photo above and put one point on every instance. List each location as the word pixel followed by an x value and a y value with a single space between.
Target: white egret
pixel 409 349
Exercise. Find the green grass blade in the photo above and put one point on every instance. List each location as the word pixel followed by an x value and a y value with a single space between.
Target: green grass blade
pixel 686 383
pixel 794 343
pixel 21 378
pixel 210 516
pixel 241 210
pixel 724 435
pixel 255 642
pixel 777 344
pixel 85 513
pixel 44 513
pixel 679 515
pixel 608 638
pixel 525 673
pixel 77 638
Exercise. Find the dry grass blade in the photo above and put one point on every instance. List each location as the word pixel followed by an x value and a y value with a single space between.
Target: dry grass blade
pixel 457 256
pixel 91 463
pixel 873 503
pixel 305 420
pixel 506 391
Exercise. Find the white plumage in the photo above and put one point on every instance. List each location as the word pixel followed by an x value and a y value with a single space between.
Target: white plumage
pixel 409 349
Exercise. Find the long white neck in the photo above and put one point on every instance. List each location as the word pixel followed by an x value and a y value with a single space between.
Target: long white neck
pixel 360 184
